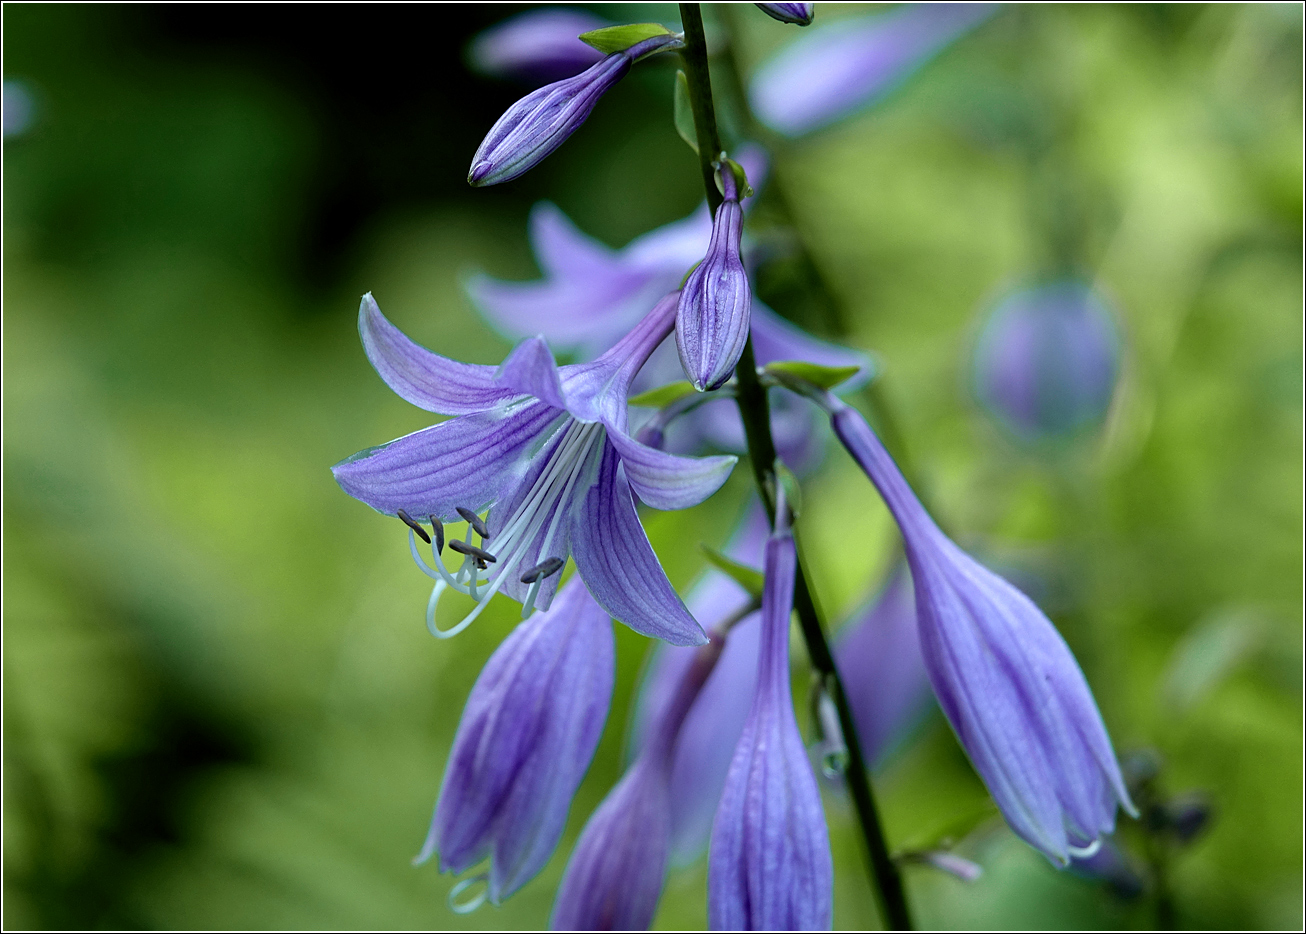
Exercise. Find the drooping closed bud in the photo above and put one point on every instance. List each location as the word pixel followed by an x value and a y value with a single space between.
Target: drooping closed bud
pixel 615 876
pixel 713 316
pixel 537 46
pixel 525 739
pixel 800 14
pixel 1047 360
pixel 1003 675
pixel 540 122
pixel 769 867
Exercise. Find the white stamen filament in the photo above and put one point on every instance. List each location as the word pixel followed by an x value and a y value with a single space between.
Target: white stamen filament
pixel 548 495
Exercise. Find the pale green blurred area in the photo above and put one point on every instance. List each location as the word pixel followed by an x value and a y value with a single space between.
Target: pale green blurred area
pixel 222 708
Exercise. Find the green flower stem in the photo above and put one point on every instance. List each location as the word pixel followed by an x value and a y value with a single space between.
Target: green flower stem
pixel 755 412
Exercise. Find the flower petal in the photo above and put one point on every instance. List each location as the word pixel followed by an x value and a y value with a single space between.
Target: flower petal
pixel 561 249
pixel 618 565
pixel 468 461
pixel 531 369
pixel 669 481
pixel 426 379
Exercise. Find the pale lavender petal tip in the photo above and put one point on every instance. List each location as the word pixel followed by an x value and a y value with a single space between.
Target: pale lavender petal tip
pixel 537 46
pixel 769 866
pixel 833 69
pixel 1004 677
pixel 525 740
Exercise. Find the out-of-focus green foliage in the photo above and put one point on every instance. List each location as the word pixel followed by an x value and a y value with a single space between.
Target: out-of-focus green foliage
pixel 221 707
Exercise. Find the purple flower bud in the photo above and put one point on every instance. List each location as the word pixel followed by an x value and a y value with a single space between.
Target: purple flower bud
pixel 526 737
pixel 835 68
pixel 770 867
pixel 541 121
pixel 1047 360
pixel 615 875
pixel 1004 676
pixel 537 46
pixel 713 315
pixel 800 14
pixel 879 658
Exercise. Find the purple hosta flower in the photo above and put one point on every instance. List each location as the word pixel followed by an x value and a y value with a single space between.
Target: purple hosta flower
pixel 615 875
pixel 800 14
pixel 835 68
pixel 1047 360
pixel 712 320
pixel 527 734
pixel 541 121
pixel 537 46
pixel 707 739
pixel 546 449
pixel 878 655
pixel 1004 676
pixel 770 867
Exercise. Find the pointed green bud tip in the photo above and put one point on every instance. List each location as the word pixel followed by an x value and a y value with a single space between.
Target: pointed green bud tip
pixel 620 38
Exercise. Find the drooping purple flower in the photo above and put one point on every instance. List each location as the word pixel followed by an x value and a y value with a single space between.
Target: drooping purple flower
pixel 615 875
pixel 1046 361
pixel 835 68
pixel 537 46
pixel 712 320
pixel 540 122
pixel 878 655
pixel 800 14
pixel 769 868
pixel 711 730
pixel 546 449
pixel 1003 675
pixel 526 737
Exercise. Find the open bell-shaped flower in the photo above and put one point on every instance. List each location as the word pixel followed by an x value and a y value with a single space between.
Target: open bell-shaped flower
pixel 532 128
pixel 525 740
pixel 546 449
pixel 615 875
pixel 1003 675
pixel 769 867
pixel 712 320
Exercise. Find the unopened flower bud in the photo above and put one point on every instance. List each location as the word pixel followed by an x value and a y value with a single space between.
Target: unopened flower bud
pixel 1047 360
pixel 715 303
pixel 537 46
pixel 541 121
pixel 800 14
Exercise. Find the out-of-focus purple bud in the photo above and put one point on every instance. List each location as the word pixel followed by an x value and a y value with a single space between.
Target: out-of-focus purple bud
pixel 1003 675
pixel 769 867
pixel 541 121
pixel 1047 360
pixel 527 734
pixel 836 67
pixel 1188 815
pixel 537 46
pixel 712 318
pixel 707 739
pixel 945 861
pixel 878 655
pixel 800 14
pixel 19 108
pixel 615 875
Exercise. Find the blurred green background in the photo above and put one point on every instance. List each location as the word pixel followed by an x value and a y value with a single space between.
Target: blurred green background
pixel 221 707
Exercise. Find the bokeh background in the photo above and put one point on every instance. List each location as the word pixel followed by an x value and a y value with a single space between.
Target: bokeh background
pixel 221 707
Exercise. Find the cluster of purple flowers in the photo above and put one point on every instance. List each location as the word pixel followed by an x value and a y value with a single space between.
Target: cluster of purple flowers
pixel 542 464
